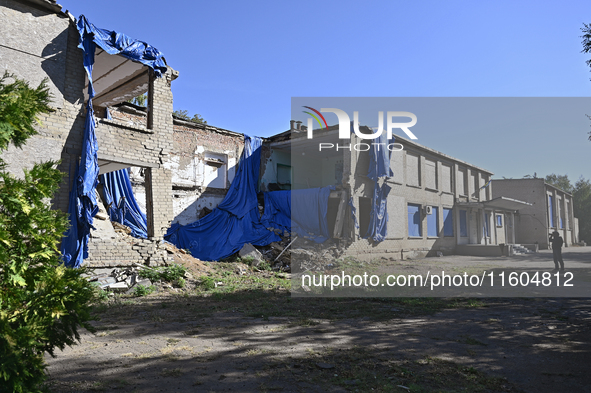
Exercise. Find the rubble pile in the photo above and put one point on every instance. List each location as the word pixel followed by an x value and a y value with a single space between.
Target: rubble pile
pixel 294 251
pixel 126 279
pixel 121 279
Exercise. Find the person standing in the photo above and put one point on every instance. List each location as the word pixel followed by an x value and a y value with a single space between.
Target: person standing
pixel 557 242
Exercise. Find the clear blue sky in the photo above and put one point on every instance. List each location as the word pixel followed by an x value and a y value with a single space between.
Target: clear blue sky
pixel 240 62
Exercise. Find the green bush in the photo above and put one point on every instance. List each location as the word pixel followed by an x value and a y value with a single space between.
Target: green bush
pixel 207 283
pixel 168 273
pixel 42 303
pixel 180 282
pixel 247 260
pixel 173 272
pixel 100 295
pixel 143 290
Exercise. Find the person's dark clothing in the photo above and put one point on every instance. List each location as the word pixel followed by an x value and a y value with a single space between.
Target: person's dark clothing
pixel 557 243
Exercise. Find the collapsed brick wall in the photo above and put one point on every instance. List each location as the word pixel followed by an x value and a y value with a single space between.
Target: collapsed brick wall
pixel 53 52
pixel 191 144
pixel 122 141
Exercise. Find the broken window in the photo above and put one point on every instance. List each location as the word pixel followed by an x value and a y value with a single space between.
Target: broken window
pixel 215 170
pixel 117 80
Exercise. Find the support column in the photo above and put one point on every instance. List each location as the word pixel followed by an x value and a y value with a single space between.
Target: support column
pixel 512 228
pixel 494 223
pixel 158 201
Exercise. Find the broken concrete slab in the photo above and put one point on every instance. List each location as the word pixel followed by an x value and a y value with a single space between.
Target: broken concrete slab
pixel 118 287
pixel 248 251
pixel 105 281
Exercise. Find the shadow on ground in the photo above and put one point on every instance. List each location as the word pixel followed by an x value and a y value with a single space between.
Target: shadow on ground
pixel 267 341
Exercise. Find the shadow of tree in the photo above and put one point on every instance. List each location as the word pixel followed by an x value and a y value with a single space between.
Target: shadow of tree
pixel 263 341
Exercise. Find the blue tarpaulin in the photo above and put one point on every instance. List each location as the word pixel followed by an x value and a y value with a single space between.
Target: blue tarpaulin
pixel 123 207
pixel 115 43
pixel 300 211
pixel 379 168
pixel 235 221
pixel 83 205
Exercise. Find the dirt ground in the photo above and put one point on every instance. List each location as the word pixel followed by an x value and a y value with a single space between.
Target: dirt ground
pixel 256 337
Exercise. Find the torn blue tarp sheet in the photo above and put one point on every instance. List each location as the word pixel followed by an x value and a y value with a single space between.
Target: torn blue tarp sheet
pixel 83 205
pixel 122 205
pixel 301 211
pixel 353 213
pixel 235 221
pixel 379 168
pixel 378 219
pixel 115 43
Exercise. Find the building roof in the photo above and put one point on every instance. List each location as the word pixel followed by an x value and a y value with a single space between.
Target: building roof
pixel 50 5
pixel 534 179
pixel 285 137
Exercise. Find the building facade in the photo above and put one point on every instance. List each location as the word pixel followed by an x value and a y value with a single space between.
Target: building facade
pixel 551 209
pixel 436 204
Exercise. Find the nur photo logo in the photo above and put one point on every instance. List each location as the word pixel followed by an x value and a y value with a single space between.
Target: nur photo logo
pixel 345 128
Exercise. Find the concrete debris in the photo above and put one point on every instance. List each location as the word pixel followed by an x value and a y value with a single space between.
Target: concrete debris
pixel 118 286
pixel 277 246
pixel 121 228
pixel 121 279
pixel 248 251
pixel 102 215
pixel 306 254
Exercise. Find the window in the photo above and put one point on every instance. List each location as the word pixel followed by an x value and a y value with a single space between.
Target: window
pixel 448 222
pixel 214 170
pixel 560 212
pixel 462 182
pixel 412 170
pixel 433 222
pixel 414 221
pixel 431 174
pixel 476 185
pixel 499 220
pixel 397 166
pixel 446 178
pixel 551 210
pixel 486 224
pixel 484 187
pixel 463 223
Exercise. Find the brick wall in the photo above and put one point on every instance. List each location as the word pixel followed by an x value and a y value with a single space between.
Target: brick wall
pixel 53 53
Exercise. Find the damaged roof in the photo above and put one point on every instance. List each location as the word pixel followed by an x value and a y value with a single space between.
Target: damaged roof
pixel 50 5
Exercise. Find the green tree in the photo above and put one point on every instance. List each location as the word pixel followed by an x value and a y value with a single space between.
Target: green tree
pixel 586 29
pixel 560 181
pixel 581 192
pixel 582 208
pixel 184 114
pixel 139 100
pixel 42 304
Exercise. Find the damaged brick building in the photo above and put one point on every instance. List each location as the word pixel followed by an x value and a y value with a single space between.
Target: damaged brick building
pixel 52 52
pixel 181 170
